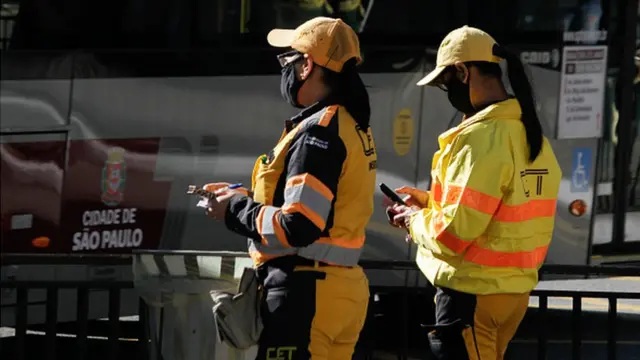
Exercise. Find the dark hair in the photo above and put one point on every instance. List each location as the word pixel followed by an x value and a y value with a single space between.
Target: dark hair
pixel 523 92
pixel 347 89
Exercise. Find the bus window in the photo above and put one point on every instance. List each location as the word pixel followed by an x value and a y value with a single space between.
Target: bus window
pixel 398 17
pixel 408 17
pixel 209 24
pixel 124 24
pixel 565 15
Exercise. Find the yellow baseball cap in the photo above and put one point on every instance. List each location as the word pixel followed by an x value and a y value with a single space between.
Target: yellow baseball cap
pixel 330 42
pixel 462 44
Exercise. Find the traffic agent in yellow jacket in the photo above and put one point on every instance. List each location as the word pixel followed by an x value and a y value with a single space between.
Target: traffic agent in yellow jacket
pixel 312 197
pixel 486 227
pixel 489 223
pixel 313 193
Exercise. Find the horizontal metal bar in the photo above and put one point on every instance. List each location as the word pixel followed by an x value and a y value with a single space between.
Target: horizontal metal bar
pixel 535 293
pixel 66 259
pixel 586 294
pixel 590 270
pixel 108 285
pixel 57 130
pixel 125 259
pixel 79 284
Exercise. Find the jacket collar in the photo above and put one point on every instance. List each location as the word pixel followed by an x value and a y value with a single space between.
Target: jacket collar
pixel 291 123
pixel 504 110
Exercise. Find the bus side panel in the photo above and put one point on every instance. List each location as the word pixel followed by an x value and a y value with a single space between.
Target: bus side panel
pixel 213 129
pixel 571 243
pixel 395 120
pixel 34 91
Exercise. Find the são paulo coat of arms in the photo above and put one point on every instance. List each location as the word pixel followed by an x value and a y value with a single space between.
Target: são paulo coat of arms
pixel 114 176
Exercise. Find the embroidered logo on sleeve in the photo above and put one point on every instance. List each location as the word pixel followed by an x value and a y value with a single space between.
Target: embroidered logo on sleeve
pixel 314 141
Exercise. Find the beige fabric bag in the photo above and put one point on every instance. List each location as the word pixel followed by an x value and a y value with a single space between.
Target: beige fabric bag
pixel 237 315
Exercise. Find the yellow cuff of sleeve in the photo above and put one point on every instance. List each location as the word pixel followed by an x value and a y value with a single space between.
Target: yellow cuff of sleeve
pixel 413 225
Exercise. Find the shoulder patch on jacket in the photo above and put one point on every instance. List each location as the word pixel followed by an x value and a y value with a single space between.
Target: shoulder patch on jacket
pixel 314 141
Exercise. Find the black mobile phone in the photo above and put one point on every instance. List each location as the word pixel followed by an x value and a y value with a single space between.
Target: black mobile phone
pixel 391 194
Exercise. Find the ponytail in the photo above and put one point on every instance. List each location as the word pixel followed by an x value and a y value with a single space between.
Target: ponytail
pixel 524 93
pixel 348 90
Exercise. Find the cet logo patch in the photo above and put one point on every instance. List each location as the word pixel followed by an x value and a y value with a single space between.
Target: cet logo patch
pixel 114 176
pixel 281 353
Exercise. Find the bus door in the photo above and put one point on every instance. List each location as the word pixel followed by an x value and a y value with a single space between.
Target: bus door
pixel 32 177
pixel 32 168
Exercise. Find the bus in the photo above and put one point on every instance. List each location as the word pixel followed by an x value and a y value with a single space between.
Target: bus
pixel 110 109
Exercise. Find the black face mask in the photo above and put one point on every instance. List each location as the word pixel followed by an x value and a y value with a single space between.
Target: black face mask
pixel 459 96
pixel 290 85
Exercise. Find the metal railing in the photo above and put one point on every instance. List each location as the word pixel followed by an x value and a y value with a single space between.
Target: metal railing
pixel 366 347
pixel 584 272
pixel 83 288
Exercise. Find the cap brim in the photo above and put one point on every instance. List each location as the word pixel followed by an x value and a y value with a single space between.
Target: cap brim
pixel 280 37
pixel 427 80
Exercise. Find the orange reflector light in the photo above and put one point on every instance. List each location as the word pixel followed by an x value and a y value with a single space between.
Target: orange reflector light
pixel 41 242
pixel 577 208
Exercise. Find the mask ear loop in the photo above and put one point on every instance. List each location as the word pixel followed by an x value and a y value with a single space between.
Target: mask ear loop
pixel 461 74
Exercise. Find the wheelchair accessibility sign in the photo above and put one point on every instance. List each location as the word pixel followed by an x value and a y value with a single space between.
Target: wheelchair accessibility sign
pixel 580 170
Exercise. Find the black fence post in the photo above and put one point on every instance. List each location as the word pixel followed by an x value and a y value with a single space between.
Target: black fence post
pixel 52 319
pixel 542 327
pixel 114 323
pixel 405 324
pixel 82 316
pixel 612 324
pixel 576 336
pixel 22 299
pixel 143 330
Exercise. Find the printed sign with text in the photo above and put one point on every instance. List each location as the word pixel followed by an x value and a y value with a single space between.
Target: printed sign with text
pixel 580 107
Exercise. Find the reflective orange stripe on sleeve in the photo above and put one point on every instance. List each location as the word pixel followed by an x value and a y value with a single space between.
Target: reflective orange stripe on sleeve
pixel 270 229
pixel 487 257
pixel 448 239
pixel 311 181
pixel 307 195
pixel 491 205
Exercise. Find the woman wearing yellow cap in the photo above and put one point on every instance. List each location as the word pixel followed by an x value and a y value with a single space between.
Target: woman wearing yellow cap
pixel 311 199
pixel 484 227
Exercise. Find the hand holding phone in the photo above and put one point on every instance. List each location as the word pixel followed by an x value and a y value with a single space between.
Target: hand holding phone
pixel 207 196
pixel 391 194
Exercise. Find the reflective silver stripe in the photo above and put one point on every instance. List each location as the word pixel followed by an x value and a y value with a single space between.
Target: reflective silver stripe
pixel 309 198
pixel 268 232
pixel 331 254
pixel 316 251
pixel 268 250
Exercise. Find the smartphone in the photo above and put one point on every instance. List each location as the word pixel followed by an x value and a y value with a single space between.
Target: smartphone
pixel 194 190
pixel 205 195
pixel 391 194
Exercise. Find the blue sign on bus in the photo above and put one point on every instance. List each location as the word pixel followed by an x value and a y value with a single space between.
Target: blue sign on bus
pixel 580 170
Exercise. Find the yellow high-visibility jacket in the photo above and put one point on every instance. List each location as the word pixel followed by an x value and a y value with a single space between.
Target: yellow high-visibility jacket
pixel 490 217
